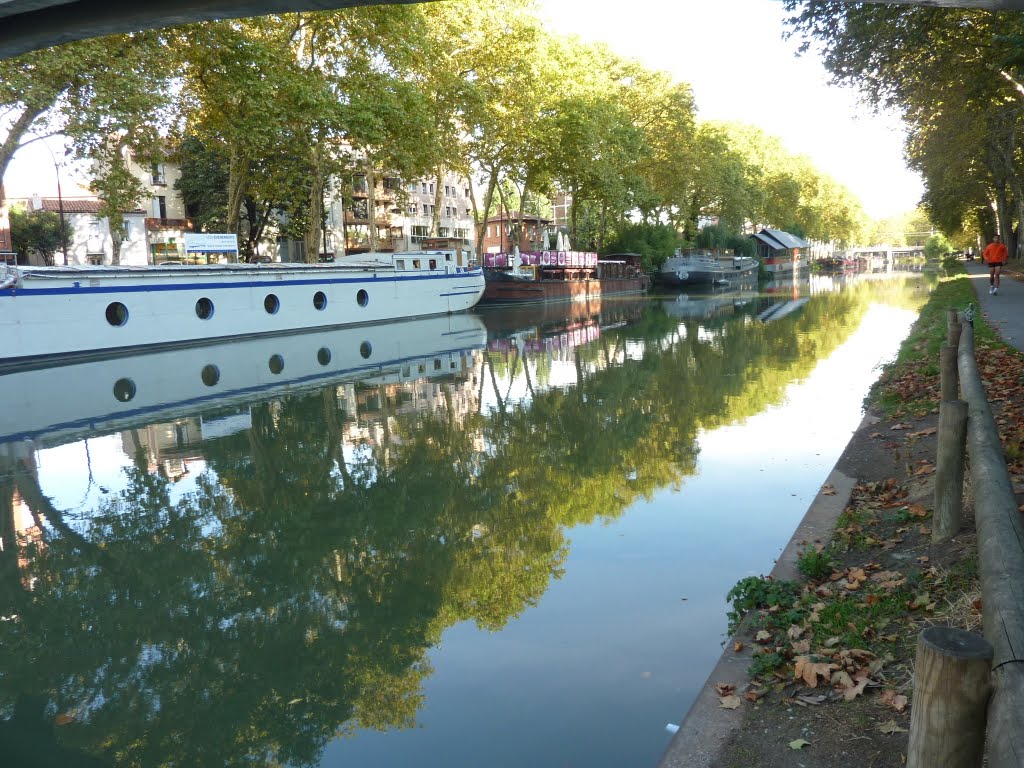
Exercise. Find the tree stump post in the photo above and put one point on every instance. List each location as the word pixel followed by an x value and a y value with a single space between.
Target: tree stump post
pixel 949 377
pixel 953 328
pixel 949 469
pixel 952 683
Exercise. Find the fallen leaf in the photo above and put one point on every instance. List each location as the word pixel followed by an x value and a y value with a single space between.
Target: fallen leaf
pixel 852 693
pixel 801 646
pixel 63 719
pixel 763 636
pixel 794 632
pixel 753 695
pixel 730 702
pixel 895 700
pixel 798 743
pixel 724 689
pixel 896 427
pixel 891 726
pixel 737 646
pixel 809 671
pixel 828 490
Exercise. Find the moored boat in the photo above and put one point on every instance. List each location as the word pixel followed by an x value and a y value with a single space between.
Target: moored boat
pixel 557 276
pixel 703 266
pixel 52 314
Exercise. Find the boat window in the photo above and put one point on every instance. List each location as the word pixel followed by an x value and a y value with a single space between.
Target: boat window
pixel 320 300
pixel 433 263
pixel 437 365
pixel 447 257
pixel 204 309
pixel 124 390
pixel 271 303
pixel 117 314
pixel 415 263
pixel 365 350
pixel 323 356
pixel 276 364
pixel 400 264
pixel 362 298
pixel 210 375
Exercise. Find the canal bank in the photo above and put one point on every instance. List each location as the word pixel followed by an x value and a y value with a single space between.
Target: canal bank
pixel 871 518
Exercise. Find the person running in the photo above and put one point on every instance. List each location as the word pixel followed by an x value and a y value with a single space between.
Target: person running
pixel 995 256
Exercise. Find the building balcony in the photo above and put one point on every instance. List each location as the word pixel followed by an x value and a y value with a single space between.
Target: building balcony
pixel 156 223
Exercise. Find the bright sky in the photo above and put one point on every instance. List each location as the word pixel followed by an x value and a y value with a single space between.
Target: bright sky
pixel 733 54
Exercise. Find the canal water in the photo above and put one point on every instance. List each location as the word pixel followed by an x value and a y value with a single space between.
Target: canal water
pixel 501 538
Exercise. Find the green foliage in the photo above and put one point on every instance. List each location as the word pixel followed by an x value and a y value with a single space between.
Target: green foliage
pixel 654 242
pixel 755 592
pixel 718 236
pixel 937 246
pixel 814 564
pixel 37 231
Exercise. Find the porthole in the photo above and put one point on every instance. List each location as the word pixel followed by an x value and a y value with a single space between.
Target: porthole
pixel 271 303
pixel 204 309
pixel 210 375
pixel 276 364
pixel 124 390
pixel 320 300
pixel 365 349
pixel 323 356
pixel 362 298
pixel 117 314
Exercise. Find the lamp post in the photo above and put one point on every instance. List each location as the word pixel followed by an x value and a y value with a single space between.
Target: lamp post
pixel 60 199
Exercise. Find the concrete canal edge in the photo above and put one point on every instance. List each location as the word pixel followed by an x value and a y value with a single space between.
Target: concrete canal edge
pixel 707 725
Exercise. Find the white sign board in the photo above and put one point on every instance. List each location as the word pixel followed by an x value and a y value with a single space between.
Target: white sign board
pixel 207 243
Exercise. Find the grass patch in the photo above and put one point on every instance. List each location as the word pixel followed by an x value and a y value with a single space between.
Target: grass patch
pixel 910 382
pixel 815 565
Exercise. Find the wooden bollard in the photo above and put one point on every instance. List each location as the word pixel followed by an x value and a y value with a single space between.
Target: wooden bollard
pixel 952 683
pixel 953 328
pixel 949 376
pixel 949 469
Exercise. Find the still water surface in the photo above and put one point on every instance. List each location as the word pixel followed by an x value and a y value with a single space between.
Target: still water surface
pixel 500 538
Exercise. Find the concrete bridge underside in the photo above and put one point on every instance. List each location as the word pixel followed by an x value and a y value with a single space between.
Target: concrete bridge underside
pixel 27 25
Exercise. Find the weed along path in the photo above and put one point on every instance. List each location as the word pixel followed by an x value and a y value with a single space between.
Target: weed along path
pixel 818 671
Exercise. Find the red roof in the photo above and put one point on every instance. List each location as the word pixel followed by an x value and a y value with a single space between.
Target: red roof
pixel 77 205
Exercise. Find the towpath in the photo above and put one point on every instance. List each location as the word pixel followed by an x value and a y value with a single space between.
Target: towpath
pixel 1005 311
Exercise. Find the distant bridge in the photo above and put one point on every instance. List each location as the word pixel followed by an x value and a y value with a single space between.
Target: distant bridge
pixel 27 25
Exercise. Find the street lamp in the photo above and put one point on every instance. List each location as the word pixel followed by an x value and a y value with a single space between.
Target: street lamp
pixel 60 198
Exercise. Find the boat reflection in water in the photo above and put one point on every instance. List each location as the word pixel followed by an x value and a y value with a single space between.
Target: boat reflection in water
pixel 83 398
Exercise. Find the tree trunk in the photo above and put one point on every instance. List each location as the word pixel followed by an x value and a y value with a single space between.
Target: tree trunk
pixel 238 184
pixel 116 238
pixel 371 204
pixel 316 210
pixel 604 225
pixel 481 226
pixel 574 191
pixel 435 217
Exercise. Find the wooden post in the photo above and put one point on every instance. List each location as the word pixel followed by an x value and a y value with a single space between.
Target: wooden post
pixel 949 377
pixel 953 334
pixel 949 469
pixel 952 682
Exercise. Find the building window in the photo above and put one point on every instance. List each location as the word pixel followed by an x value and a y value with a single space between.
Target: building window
pixel 158 174
pixel 423 187
pixel 442 231
pixel 412 186
pixel 412 209
pixel 468 213
pixel 419 232
pixel 160 207
pixel 431 187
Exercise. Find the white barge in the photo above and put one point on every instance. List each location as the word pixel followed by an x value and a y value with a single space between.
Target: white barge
pixel 54 314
